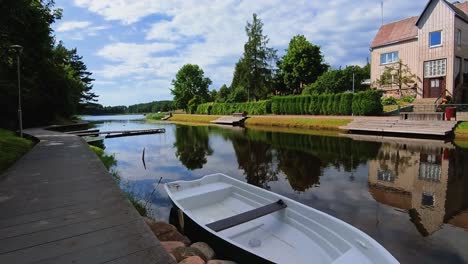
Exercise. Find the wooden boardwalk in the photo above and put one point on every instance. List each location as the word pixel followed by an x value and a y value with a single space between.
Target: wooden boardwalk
pixel 121 133
pixel 402 127
pixel 58 204
pixel 230 120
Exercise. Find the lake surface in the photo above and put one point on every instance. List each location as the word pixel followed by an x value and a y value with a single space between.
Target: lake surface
pixel 409 195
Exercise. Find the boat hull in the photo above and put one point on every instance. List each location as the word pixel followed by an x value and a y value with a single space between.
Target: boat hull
pixel 224 250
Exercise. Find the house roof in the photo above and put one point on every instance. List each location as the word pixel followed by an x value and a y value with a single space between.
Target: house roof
pixel 396 31
pixel 406 29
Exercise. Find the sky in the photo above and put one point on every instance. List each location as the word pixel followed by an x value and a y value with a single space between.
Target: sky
pixel 134 48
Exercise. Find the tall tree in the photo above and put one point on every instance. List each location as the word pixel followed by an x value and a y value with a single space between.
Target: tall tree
pixel 223 94
pixel 190 81
pixel 254 71
pixel 340 80
pixel 302 64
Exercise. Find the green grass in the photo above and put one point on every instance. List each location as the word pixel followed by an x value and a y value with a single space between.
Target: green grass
pixel 155 116
pixel 12 148
pixel 193 118
pixel 108 160
pixel 306 123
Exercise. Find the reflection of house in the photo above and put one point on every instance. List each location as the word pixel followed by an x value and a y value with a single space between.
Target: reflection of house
pixel 434 45
pixel 417 178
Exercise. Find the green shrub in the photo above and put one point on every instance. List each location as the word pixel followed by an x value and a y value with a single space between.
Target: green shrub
pixel 336 104
pixel 389 100
pixel 204 109
pixel 275 105
pixel 367 103
pixel 306 103
pixel 314 106
pixel 252 108
pixel 408 98
pixel 346 103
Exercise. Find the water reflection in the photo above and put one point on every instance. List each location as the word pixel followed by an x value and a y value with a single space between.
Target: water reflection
pixel 192 146
pixel 425 180
pixel 411 196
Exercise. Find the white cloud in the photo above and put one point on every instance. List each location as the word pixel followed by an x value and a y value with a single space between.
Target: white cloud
pixel 72 25
pixel 210 33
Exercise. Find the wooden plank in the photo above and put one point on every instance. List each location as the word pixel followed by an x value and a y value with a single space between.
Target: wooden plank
pixel 246 216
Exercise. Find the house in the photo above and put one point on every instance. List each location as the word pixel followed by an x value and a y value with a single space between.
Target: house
pixel 433 45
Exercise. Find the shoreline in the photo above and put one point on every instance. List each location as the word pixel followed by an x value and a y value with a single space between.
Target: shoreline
pixel 307 124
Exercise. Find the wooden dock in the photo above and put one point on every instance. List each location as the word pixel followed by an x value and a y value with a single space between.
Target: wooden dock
pixel 59 204
pixel 122 133
pixel 402 127
pixel 237 119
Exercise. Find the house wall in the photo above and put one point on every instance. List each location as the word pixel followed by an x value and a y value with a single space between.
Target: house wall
pixel 407 52
pixel 461 92
pixel 438 16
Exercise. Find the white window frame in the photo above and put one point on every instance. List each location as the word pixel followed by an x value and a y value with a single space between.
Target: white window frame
pixel 435 68
pixel 441 39
pixel 391 55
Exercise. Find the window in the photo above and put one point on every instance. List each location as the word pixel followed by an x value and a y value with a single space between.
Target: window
pixel 435 68
pixel 435 83
pixel 427 199
pixel 390 57
pixel 435 39
pixel 385 175
pixel 458 38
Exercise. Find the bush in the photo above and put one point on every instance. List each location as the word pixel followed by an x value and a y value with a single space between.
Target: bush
pixel 389 100
pixel 204 109
pixel 346 103
pixel 314 106
pixel 408 98
pixel 367 103
pixel 336 104
pixel 252 108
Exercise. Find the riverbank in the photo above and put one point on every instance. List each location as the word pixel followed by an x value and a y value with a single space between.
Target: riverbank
pixel 299 122
pixel 12 148
pixel 319 123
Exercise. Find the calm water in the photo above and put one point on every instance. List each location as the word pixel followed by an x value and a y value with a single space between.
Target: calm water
pixel 411 196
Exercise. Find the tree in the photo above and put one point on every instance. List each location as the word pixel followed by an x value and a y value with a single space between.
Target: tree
pixel 238 95
pixel 253 70
pixel 213 95
pixel 339 80
pixel 302 64
pixel 223 94
pixel 54 79
pixel 398 74
pixel 190 81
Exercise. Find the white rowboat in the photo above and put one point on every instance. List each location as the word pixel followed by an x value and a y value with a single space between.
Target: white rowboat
pixel 271 226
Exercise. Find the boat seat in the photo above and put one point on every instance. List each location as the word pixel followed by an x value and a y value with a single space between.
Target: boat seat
pixel 241 218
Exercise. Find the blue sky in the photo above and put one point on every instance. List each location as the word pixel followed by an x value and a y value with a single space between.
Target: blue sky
pixel 135 47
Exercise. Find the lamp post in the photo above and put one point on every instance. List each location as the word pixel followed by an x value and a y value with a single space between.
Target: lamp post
pixel 18 49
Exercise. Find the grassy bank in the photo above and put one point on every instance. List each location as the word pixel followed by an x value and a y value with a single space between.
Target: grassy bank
pixel 296 122
pixel 12 148
pixel 272 121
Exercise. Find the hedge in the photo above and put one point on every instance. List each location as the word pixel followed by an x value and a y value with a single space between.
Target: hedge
pixel 252 108
pixel 361 103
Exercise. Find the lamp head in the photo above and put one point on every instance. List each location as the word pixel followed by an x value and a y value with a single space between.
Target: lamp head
pixel 17 48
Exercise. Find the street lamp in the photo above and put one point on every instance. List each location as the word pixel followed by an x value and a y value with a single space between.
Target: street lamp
pixel 18 49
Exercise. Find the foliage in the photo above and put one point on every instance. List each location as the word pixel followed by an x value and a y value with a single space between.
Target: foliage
pixel 253 70
pixel 205 109
pixel 252 108
pixel 139 206
pixel 408 98
pixel 302 64
pixel 223 94
pixel 367 103
pixel 190 81
pixel 54 79
pixel 239 94
pixel 193 103
pixel 108 160
pixel 346 102
pixel 338 80
pixel 398 74
pixel 155 116
pixel 12 148
pixel 389 100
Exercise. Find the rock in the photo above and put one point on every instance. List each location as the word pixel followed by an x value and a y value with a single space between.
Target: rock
pixel 169 246
pixel 193 260
pixel 207 251
pixel 219 261
pixel 166 232
pixel 182 253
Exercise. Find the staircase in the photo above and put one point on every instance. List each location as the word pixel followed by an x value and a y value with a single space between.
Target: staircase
pixel 424 105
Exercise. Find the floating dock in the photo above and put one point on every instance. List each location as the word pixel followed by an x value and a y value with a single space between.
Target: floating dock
pixel 402 127
pixel 121 133
pixel 237 119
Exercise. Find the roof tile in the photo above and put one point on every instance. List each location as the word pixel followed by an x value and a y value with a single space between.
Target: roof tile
pixel 397 31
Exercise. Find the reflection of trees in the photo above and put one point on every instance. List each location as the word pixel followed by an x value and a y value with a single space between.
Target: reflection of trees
pixel 390 159
pixel 302 170
pixel 256 159
pixel 192 145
